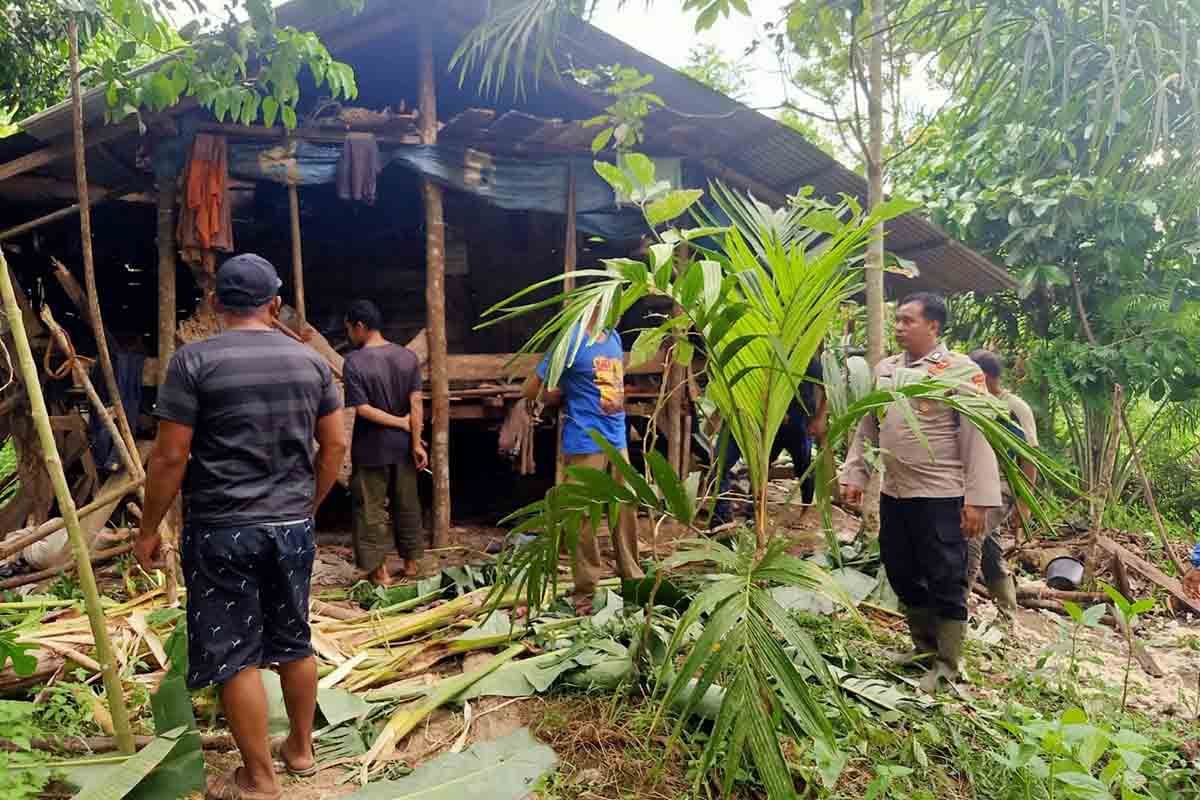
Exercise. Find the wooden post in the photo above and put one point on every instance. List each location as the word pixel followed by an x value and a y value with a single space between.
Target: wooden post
pixel 570 258
pixel 87 579
pixel 167 303
pixel 435 300
pixel 85 235
pixel 297 257
pixel 167 310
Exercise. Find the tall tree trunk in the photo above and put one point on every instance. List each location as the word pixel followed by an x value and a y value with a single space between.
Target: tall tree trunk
pixel 874 161
pixel 874 270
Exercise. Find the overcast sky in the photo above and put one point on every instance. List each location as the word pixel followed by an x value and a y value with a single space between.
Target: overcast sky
pixel 668 34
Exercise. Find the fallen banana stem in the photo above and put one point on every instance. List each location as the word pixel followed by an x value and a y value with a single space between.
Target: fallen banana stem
pixel 405 719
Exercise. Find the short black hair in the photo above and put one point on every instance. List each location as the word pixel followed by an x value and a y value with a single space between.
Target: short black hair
pixel 991 364
pixel 933 306
pixel 366 312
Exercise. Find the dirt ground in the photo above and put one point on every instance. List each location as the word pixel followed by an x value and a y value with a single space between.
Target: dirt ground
pixel 1174 646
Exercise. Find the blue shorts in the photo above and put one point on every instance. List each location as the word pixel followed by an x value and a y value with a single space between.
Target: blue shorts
pixel 247 597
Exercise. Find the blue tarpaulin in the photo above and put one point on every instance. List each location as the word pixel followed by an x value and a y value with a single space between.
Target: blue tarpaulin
pixel 513 184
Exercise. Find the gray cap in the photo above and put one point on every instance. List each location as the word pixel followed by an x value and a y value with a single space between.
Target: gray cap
pixel 247 281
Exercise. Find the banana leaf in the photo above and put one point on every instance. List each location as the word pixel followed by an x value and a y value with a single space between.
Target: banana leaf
pixel 503 769
pixel 117 780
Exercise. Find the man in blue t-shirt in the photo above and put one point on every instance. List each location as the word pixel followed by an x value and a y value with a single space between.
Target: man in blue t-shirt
pixel 592 391
pixel 1191 581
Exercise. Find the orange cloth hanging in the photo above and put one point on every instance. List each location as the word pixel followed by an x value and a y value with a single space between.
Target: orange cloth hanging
pixel 205 218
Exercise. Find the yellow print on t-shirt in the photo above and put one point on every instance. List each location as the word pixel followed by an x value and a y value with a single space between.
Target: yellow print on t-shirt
pixel 610 380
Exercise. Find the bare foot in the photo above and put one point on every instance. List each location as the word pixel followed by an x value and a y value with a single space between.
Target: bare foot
pixel 380 576
pixel 297 756
pixel 583 604
pixel 412 568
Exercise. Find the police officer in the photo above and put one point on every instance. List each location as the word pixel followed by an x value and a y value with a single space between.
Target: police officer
pixel 937 488
pixel 985 552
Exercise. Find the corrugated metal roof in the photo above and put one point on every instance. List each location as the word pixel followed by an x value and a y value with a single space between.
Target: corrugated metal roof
pixel 769 158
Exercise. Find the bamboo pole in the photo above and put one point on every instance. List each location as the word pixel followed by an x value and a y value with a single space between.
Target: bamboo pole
pixel 297 256
pixel 10 547
pixel 85 235
pixel 81 378
pixel 93 558
pixel 435 300
pixel 570 259
pixel 41 418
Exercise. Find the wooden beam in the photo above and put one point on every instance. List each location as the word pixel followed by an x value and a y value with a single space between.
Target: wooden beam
pixel 76 295
pixel 435 298
pixel 297 256
pixel 501 367
pixel 42 187
pixel 1150 571
pixel 55 152
pixel 329 135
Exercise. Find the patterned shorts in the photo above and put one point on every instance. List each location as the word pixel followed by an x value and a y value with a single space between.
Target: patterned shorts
pixel 247 597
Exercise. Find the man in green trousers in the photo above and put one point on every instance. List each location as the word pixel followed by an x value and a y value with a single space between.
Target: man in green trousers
pixel 383 386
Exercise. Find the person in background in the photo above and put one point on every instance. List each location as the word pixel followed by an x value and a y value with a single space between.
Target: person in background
pixel 592 390
pixel 238 414
pixel 805 423
pixel 985 552
pixel 937 488
pixel 1191 581
pixel 383 386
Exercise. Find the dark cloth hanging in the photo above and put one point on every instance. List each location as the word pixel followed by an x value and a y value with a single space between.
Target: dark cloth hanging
pixel 127 369
pixel 358 168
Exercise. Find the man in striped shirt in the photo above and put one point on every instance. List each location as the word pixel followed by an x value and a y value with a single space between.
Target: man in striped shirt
pixel 238 414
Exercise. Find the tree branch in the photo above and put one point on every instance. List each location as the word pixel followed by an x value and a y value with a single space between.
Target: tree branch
pixel 1083 317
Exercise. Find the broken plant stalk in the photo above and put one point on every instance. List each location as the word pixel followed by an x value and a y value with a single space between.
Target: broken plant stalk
pixel 405 719
pixel 87 579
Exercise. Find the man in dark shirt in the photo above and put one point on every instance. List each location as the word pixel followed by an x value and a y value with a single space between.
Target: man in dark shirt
pixel 245 405
pixel 383 386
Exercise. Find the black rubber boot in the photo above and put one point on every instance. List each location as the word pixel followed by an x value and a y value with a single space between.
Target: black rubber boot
pixel 951 635
pixel 922 625
pixel 1004 595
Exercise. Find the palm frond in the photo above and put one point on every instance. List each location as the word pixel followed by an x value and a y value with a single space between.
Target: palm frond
pixel 739 644
pixel 516 37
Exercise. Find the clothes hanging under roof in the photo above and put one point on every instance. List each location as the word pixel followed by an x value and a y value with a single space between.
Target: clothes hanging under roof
pixel 358 168
pixel 205 217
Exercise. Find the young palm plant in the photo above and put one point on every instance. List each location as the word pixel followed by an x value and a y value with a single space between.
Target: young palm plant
pixel 758 294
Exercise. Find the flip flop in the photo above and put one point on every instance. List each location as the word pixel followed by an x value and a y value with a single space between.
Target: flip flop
pixel 225 787
pixel 277 754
